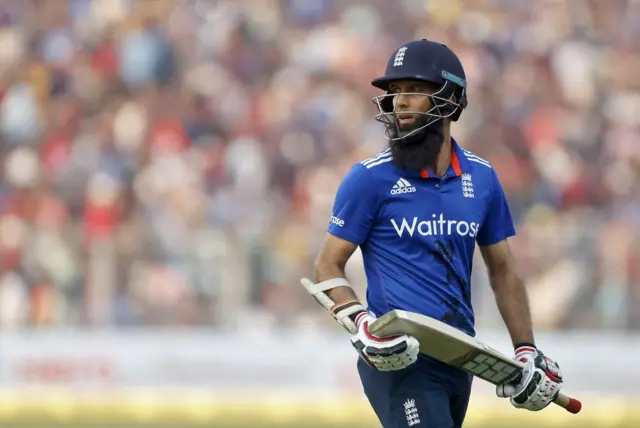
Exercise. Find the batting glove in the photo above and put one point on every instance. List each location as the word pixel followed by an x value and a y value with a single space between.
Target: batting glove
pixel 383 353
pixel 537 385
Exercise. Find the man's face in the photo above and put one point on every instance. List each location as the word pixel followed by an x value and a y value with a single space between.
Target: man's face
pixel 418 149
pixel 411 97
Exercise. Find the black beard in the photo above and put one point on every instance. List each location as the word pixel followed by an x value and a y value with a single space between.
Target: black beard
pixel 419 150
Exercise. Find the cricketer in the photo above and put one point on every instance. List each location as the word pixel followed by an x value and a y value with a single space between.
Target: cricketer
pixel 417 210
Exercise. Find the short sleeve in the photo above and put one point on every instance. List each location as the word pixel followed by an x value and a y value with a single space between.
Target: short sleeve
pixel 498 224
pixel 355 206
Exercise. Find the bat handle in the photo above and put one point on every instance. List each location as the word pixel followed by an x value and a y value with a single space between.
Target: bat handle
pixel 571 404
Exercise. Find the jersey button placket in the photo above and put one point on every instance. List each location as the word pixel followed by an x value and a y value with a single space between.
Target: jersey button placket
pixel 442 181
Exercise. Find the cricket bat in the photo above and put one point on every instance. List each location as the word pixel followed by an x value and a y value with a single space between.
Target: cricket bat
pixel 455 348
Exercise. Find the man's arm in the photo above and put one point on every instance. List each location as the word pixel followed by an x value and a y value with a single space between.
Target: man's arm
pixel 330 263
pixel 353 215
pixel 537 385
pixel 541 380
pixel 511 295
pixel 332 291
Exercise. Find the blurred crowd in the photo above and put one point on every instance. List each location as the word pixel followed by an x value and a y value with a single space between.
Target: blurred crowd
pixel 174 162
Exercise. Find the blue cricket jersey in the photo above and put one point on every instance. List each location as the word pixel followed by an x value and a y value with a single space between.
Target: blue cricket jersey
pixel 418 232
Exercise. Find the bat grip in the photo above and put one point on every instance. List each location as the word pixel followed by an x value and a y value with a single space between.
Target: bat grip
pixel 570 404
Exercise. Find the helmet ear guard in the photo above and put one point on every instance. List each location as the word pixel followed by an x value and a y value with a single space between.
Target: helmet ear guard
pixel 458 94
pixel 462 104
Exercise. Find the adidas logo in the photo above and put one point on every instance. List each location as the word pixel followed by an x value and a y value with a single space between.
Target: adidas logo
pixel 402 186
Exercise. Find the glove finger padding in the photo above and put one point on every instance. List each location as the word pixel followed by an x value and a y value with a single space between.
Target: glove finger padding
pixel 397 361
pixel 506 390
pixel 360 348
pixel 384 353
pixel 538 396
pixel 538 384
pixel 397 349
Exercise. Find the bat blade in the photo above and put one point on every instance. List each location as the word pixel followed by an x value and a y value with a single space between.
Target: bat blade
pixel 455 348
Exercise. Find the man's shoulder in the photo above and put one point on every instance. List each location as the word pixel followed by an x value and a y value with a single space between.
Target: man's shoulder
pixel 369 174
pixel 366 175
pixel 377 164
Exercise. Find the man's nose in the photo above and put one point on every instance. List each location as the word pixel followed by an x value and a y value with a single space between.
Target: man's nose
pixel 401 102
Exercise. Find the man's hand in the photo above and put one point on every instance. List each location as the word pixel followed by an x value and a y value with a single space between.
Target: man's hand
pixel 537 385
pixel 386 353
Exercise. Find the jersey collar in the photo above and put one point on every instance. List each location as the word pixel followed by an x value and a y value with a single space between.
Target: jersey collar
pixel 458 161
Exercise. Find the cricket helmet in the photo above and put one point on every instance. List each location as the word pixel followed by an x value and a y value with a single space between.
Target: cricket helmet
pixel 426 61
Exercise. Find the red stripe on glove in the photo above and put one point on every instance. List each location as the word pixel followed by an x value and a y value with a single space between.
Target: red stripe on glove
pixel 360 317
pixel 523 349
pixel 365 327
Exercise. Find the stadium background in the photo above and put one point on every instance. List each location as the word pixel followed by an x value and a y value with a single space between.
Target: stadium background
pixel 167 174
